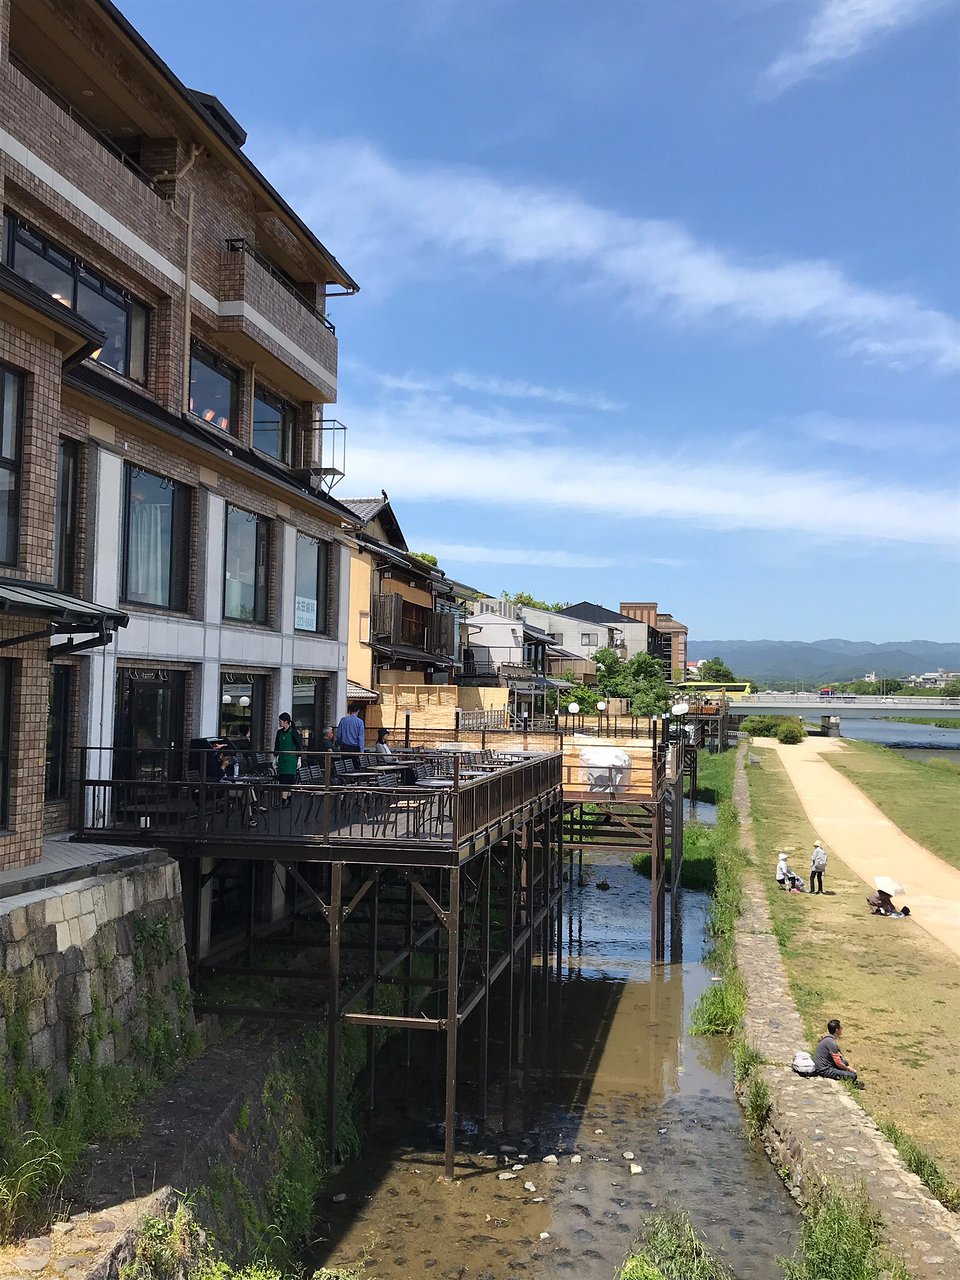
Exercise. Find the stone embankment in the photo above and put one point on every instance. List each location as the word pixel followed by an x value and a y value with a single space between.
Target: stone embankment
pixel 815 1132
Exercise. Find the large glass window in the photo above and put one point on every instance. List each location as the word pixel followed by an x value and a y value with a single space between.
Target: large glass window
pixel 243 703
pixel 69 280
pixel 11 422
pixel 310 603
pixel 58 723
pixel 156 540
pixel 310 709
pixel 245 566
pixel 214 389
pixel 6 716
pixel 65 519
pixel 274 423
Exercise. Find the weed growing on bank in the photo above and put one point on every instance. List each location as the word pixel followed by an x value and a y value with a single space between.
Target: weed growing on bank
pixel 840 1236
pixel 923 1165
pixel 756 1104
pixel 745 1060
pixel 670 1249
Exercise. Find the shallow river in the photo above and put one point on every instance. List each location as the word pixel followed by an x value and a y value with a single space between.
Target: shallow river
pixel 610 1069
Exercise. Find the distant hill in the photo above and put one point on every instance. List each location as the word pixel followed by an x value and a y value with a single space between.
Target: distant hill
pixel 826 660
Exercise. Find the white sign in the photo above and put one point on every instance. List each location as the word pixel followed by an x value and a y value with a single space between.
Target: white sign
pixel 305 614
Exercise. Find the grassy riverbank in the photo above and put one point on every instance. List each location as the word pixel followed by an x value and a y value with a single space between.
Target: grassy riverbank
pixel 940 722
pixel 921 796
pixel 700 842
pixel 895 988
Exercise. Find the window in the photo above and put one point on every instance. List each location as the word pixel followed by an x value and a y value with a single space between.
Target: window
pixel 245 566
pixel 11 422
pixel 65 516
pixel 274 425
pixel 6 713
pixel 156 540
pixel 310 604
pixel 58 722
pixel 122 319
pixel 214 389
pixel 309 709
pixel 243 703
pixel 589 638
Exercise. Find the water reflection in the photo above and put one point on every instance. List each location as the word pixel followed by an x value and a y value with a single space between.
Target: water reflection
pixel 607 1068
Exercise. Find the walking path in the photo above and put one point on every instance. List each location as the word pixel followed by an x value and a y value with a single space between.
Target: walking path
pixel 816 1133
pixel 856 831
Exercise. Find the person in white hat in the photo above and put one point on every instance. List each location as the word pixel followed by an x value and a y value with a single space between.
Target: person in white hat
pixel 818 864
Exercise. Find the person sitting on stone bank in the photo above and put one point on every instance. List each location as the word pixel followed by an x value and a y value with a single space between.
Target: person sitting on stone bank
pixel 829 1061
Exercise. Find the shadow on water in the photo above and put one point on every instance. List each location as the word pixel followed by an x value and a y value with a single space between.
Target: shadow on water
pixel 607 1069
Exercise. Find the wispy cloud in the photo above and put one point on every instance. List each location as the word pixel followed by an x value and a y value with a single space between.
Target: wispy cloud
pixel 840 29
pixel 497 388
pixel 431 220
pixel 456 553
pixel 610 498
pixel 908 439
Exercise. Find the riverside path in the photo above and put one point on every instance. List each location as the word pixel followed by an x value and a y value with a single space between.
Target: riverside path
pixel 857 832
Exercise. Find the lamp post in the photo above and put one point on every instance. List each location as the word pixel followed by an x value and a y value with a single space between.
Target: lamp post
pixel 573 709
pixel 601 707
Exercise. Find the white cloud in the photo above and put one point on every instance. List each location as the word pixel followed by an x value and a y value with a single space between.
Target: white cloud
pixel 457 553
pixel 498 388
pixel 909 439
pixel 840 29
pixel 427 221
pixel 606 494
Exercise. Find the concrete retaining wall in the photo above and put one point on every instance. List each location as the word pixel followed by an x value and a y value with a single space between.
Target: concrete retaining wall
pixel 816 1133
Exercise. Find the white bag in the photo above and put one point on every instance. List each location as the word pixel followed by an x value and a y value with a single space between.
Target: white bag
pixel 803 1064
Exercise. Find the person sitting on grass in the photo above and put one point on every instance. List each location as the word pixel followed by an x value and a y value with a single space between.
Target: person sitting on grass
pixel 829 1061
pixel 786 879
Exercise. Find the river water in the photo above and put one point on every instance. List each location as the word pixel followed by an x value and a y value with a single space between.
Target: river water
pixel 915 741
pixel 610 1069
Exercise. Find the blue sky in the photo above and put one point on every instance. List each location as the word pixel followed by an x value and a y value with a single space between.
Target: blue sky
pixel 659 299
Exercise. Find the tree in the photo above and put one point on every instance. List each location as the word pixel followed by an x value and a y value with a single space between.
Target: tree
pixel 717 671
pixel 525 598
pixel 426 557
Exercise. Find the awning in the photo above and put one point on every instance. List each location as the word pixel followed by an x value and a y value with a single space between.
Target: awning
pixel 527 686
pixel 401 653
pixel 357 693
pixel 64 615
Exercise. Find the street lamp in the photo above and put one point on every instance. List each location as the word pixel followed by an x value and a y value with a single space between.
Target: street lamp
pixel 601 707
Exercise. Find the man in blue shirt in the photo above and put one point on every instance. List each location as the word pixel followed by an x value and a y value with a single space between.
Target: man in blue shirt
pixel 351 733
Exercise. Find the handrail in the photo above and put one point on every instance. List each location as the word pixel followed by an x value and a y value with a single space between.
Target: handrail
pixel 237 244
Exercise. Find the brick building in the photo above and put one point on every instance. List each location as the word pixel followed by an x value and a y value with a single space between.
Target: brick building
pixel 171 561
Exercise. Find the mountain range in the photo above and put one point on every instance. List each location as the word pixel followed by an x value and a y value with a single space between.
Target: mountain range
pixel 826 660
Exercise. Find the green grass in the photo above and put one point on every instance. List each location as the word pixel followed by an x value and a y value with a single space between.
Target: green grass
pixel 940 722
pixel 745 1060
pixel 698 869
pixel 669 1248
pixel 757 1105
pixel 921 797
pixel 714 775
pixel 840 1237
pixel 719 1011
pixel 923 1165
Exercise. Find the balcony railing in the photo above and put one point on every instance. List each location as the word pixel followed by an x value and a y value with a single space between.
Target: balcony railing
pixel 433 800
pixel 239 245
pixel 393 622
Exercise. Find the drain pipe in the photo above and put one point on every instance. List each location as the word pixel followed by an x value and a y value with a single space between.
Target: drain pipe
pixel 187 286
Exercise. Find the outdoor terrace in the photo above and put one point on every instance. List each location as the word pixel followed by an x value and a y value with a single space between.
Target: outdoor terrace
pixel 419 808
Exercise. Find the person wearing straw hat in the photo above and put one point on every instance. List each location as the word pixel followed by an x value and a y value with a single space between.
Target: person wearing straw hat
pixel 818 864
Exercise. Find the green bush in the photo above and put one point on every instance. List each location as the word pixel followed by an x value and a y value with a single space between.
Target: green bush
pixel 762 726
pixel 791 732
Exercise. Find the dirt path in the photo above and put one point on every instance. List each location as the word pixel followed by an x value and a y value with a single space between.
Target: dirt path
pixel 855 830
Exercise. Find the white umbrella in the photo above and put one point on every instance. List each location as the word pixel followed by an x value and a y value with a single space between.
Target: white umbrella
pixel 887 884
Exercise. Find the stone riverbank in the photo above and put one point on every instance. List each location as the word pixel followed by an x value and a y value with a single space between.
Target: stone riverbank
pixel 815 1132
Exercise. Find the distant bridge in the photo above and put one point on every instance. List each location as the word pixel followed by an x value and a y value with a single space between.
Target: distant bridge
pixel 841 704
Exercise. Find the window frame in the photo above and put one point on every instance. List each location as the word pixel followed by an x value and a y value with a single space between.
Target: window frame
pixel 289 420
pixel 589 639
pixel 76 266
pixel 216 364
pixel 178 584
pixel 58 741
pixel 66 509
pixel 261 598
pixel 322 585
pixel 6 725
pixel 13 466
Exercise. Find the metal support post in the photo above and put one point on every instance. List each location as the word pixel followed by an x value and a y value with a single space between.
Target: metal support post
pixel 453 995
pixel 335 918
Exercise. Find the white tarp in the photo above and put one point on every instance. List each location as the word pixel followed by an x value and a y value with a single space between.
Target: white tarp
pixel 604 768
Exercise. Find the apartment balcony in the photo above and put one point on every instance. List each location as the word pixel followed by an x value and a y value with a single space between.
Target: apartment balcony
pixel 266 319
pixel 410 629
